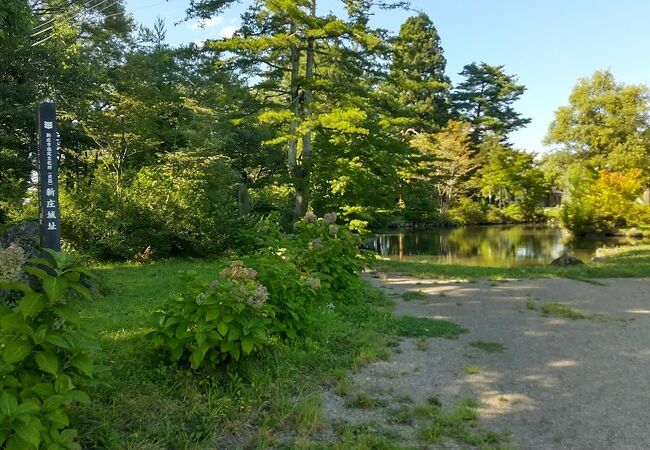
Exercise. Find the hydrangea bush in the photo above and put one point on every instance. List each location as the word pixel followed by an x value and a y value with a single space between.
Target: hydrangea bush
pixel 272 293
pixel 328 251
pixel 215 321
pixel 45 355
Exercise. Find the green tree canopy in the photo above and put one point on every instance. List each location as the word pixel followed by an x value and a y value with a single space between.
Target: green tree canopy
pixel 485 99
pixel 418 89
pixel 606 123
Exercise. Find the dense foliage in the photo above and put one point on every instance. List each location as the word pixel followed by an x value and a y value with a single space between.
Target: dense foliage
pixel 237 312
pixel 603 163
pixel 46 356
pixel 166 151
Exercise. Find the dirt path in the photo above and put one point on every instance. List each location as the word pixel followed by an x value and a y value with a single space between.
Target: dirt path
pixel 557 384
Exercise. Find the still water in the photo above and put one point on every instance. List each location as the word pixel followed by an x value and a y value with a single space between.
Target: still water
pixel 496 246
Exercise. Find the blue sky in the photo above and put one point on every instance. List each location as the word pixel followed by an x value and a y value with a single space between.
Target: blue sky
pixel 548 44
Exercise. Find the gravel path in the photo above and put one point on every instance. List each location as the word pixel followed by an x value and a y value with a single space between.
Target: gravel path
pixel 558 383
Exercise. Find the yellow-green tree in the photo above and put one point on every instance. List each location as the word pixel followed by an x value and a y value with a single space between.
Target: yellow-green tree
pixel 605 124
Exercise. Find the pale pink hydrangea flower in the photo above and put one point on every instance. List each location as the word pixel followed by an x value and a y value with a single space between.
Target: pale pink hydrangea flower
pixel 310 217
pixel 313 282
pixel 329 218
pixel 237 271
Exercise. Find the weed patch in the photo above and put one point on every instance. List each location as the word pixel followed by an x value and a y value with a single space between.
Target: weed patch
pixel 490 347
pixel 530 303
pixel 555 309
pixel 472 370
pixel 364 401
pixel 413 295
pixel 459 425
pixel 409 326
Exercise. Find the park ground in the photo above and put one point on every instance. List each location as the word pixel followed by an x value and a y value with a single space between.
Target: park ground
pixel 551 363
pixel 426 357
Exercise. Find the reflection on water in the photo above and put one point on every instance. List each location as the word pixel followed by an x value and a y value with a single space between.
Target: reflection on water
pixel 497 246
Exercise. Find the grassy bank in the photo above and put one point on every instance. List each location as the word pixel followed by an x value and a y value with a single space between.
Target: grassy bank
pixel 628 261
pixel 271 399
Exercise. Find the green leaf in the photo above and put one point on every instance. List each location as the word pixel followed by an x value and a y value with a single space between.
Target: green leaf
pixel 68 436
pixel 77 396
pixel 53 402
pixel 8 404
pixel 68 313
pixel 59 418
pixel 16 443
pixel 83 290
pixel 211 315
pixel 63 384
pixel 226 346
pixel 16 287
pixel 28 433
pixel 31 304
pixel 41 262
pixel 234 333
pixel 28 408
pixel 84 364
pixel 44 390
pixel 73 276
pixel 16 351
pixel 182 332
pixel 247 345
pixel 40 273
pixel 222 328
pixel 57 340
pixel 10 381
pixel 196 358
pixel 55 287
pixel 15 321
pixel 47 362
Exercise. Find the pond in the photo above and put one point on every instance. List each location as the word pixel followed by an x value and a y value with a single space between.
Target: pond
pixel 494 245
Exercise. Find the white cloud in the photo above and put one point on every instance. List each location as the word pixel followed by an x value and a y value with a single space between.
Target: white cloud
pixel 228 31
pixel 206 23
pixel 199 42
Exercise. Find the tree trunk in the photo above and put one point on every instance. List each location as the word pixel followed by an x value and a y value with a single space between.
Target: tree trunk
pixel 244 203
pixel 292 154
pixel 302 180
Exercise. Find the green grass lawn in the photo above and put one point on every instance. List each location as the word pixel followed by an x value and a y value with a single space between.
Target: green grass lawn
pixel 632 261
pixel 270 399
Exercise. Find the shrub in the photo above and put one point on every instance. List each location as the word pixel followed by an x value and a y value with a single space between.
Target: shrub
pixel 45 358
pixel 215 321
pixel 494 215
pixel 322 253
pixel 467 212
pixel 638 215
pixel 601 204
pixel 328 251
pixel 184 205
pixel 291 294
pixel 517 213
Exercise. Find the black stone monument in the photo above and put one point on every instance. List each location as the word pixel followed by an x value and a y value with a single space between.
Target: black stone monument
pixel 48 153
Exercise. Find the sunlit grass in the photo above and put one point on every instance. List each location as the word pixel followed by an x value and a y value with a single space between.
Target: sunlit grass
pixel 140 401
pixel 627 261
